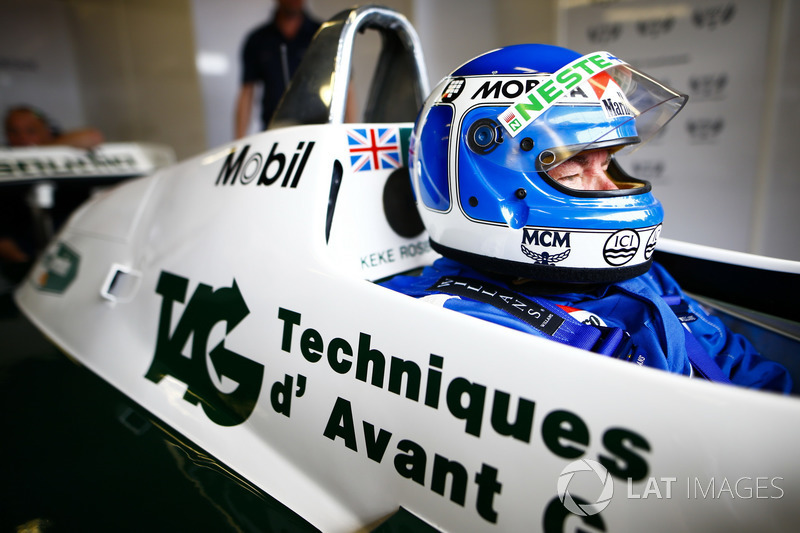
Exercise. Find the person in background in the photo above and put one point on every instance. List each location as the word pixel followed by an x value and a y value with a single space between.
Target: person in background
pixel 27 126
pixel 271 54
pixel 513 167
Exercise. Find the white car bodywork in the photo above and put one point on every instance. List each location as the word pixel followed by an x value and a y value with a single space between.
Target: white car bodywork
pixel 232 295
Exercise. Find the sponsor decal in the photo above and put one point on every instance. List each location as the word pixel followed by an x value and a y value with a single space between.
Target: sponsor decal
pixel 453 89
pixel 621 247
pixel 512 303
pixel 360 357
pixel 604 33
pixel 244 167
pixel 545 258
pixel 649 169
pixel 509 89
pixel 374 149
pixel 583 316
pixel 652 240
pixel 546 239
pixel 556 86
pixel 203 371
pixel 614 102
pixel 705 130
pixel 57 269
pixel 89 163
pixel 655 28
pixel 708 86
pixel 713 17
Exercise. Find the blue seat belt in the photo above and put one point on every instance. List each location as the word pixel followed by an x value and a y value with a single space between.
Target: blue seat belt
pixel 701 361
pixel 544 316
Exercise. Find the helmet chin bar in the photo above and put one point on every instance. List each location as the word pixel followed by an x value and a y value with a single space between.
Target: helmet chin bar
pixel 543 273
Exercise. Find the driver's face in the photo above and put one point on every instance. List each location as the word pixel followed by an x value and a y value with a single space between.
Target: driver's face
pixel 585 171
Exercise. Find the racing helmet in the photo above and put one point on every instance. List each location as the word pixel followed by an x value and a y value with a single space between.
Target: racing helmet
pixel 489 137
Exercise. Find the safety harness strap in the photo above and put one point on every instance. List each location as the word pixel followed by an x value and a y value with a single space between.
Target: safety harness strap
pixel 546 317
pixel 702 363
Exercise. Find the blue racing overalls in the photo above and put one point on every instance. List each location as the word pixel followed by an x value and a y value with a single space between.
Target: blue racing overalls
pixel 647 320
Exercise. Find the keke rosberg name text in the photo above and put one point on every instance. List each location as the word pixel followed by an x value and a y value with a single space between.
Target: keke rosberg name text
pixel 564 433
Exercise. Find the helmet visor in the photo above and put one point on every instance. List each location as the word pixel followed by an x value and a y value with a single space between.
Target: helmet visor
pixel 595 102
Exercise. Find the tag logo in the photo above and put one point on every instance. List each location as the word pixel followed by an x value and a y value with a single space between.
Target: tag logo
pixel 206 308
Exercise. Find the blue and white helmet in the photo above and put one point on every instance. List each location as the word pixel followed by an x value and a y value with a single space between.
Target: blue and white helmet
pixel 491 131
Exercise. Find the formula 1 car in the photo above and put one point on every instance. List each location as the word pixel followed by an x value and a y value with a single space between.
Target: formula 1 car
pixel 233 296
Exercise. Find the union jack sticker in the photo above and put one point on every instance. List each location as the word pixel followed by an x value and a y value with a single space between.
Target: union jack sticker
pixel 374 148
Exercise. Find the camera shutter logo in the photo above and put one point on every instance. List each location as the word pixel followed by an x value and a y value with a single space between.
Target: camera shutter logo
pixel 584 467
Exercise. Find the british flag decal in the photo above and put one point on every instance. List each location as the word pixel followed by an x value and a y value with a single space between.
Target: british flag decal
pixel 374 148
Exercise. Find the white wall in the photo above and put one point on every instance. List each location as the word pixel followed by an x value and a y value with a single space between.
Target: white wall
pixel 37 61
pixel 777 198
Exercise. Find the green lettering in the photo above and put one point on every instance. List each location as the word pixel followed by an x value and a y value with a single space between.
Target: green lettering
pixel 582 64
pixel 522 108
pixel 290 319
pixel 367 355
pixel 311 345
pixel 549 91
pixel 488 486
pixel 458 488
pixel 598 60
pixel 411 370
pixel 568 78
pixel 376 445
pixel 473 411
pixel 560 425
pixel 555 516
pixel 340 424
pixel 521 429
pixel 336 347
pixel 412 464
pixel 627 463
